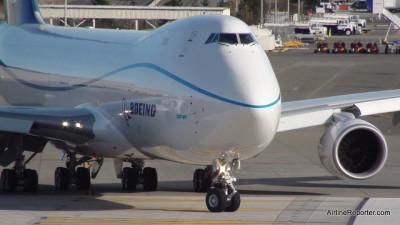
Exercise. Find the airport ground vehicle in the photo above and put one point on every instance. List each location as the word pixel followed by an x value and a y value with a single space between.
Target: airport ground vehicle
pixel 352 18
pixel 337 26
pixel 304 34
pixel 356 47
pixel 372 48
pixel 393 48
pixel 318 29
pixel 359 5
pixel 322 47
pixel 339 47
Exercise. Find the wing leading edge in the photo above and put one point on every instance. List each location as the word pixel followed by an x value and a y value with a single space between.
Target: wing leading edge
pixel 73 125
pixel 320 111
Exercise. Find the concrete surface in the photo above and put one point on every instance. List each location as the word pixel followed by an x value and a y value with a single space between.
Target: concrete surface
pixel 286 184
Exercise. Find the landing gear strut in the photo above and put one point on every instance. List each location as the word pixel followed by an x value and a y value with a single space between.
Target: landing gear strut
pixel 222 195
pixel 72 174
pixel 19 175
pixel 138 174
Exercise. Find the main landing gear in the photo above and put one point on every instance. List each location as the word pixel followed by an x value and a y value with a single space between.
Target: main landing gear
pixel 72 174
pixel 19 175
pixel 218 181
pixel 138 174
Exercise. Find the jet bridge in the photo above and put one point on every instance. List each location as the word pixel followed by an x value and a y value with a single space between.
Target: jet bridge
pixel 386 8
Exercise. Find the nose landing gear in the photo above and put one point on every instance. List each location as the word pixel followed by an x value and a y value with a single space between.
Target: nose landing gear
pixel 222 195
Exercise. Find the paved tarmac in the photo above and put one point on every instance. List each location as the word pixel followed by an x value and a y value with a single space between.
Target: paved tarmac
pixel 286 184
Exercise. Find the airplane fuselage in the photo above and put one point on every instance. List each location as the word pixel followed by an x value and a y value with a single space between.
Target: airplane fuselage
pixel 176 93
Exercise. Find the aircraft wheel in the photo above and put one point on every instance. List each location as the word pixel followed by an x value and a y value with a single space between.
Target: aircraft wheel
pixel 234 204
pixel 216 200
pixel 3 179
pixel 124 179
pixel 207 180
pixel 129 178
pixel 61 178
pixel 150 180
pixel 31 183
pixel 82 178
pixel 198 180
pixel 202 180
pixel 9 180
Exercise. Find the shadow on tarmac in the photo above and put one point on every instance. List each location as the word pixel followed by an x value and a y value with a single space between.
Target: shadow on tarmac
pixel 49 199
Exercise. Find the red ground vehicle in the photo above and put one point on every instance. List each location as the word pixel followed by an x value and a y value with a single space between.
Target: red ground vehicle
pixel 372 48
pixel 322 47
pixel 339 47
pixel 357 47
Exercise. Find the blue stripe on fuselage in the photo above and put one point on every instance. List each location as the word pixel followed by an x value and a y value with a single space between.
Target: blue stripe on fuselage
pixel 141 65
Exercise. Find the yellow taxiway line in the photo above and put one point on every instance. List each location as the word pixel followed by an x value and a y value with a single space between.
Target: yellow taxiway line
pixel 87 221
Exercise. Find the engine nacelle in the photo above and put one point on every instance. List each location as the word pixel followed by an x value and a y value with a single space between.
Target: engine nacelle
pixel 353 148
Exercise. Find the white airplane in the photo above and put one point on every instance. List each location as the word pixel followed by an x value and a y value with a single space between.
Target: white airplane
pixel 199 91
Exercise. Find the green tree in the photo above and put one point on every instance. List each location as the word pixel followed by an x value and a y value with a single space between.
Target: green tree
pixel 310 4
pixel 173 3
pixel 205 3
pixel 249 11
pixel 99 2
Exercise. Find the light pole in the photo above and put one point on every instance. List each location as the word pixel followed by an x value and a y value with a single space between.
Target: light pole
pixel 65 12
pixel 261 13
pixel 276 9
pixel 298 9
pixel 288 14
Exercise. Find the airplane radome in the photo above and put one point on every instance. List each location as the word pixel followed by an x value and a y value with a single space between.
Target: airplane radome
pixel 199 91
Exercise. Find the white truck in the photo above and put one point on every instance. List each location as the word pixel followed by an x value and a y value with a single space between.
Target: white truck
pixel 352 18
pixel 309 32
pixel 336 26
pixel 318 30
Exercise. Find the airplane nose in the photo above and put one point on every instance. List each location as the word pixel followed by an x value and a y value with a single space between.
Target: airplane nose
pixel 255 84
pixel 246 130
pixel 250 83
pixel 251 122
pixel 248 76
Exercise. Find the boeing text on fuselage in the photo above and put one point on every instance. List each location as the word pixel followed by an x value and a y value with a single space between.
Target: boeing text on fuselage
pixel 142 109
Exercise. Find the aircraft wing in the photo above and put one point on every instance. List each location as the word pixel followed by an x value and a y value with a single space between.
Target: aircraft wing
pixel 39 125
pixel 73 125
pixel 320 111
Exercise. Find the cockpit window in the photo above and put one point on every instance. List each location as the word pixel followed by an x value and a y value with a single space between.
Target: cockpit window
pixel 230 38
pixel 215 38
pixel 209 39
pixel 246 38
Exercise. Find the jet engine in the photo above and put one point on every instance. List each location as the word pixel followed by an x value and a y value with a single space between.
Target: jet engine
pixel 353 148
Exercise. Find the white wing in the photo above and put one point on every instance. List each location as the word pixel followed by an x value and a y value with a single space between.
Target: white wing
pixel 349 147
pixel 320 111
